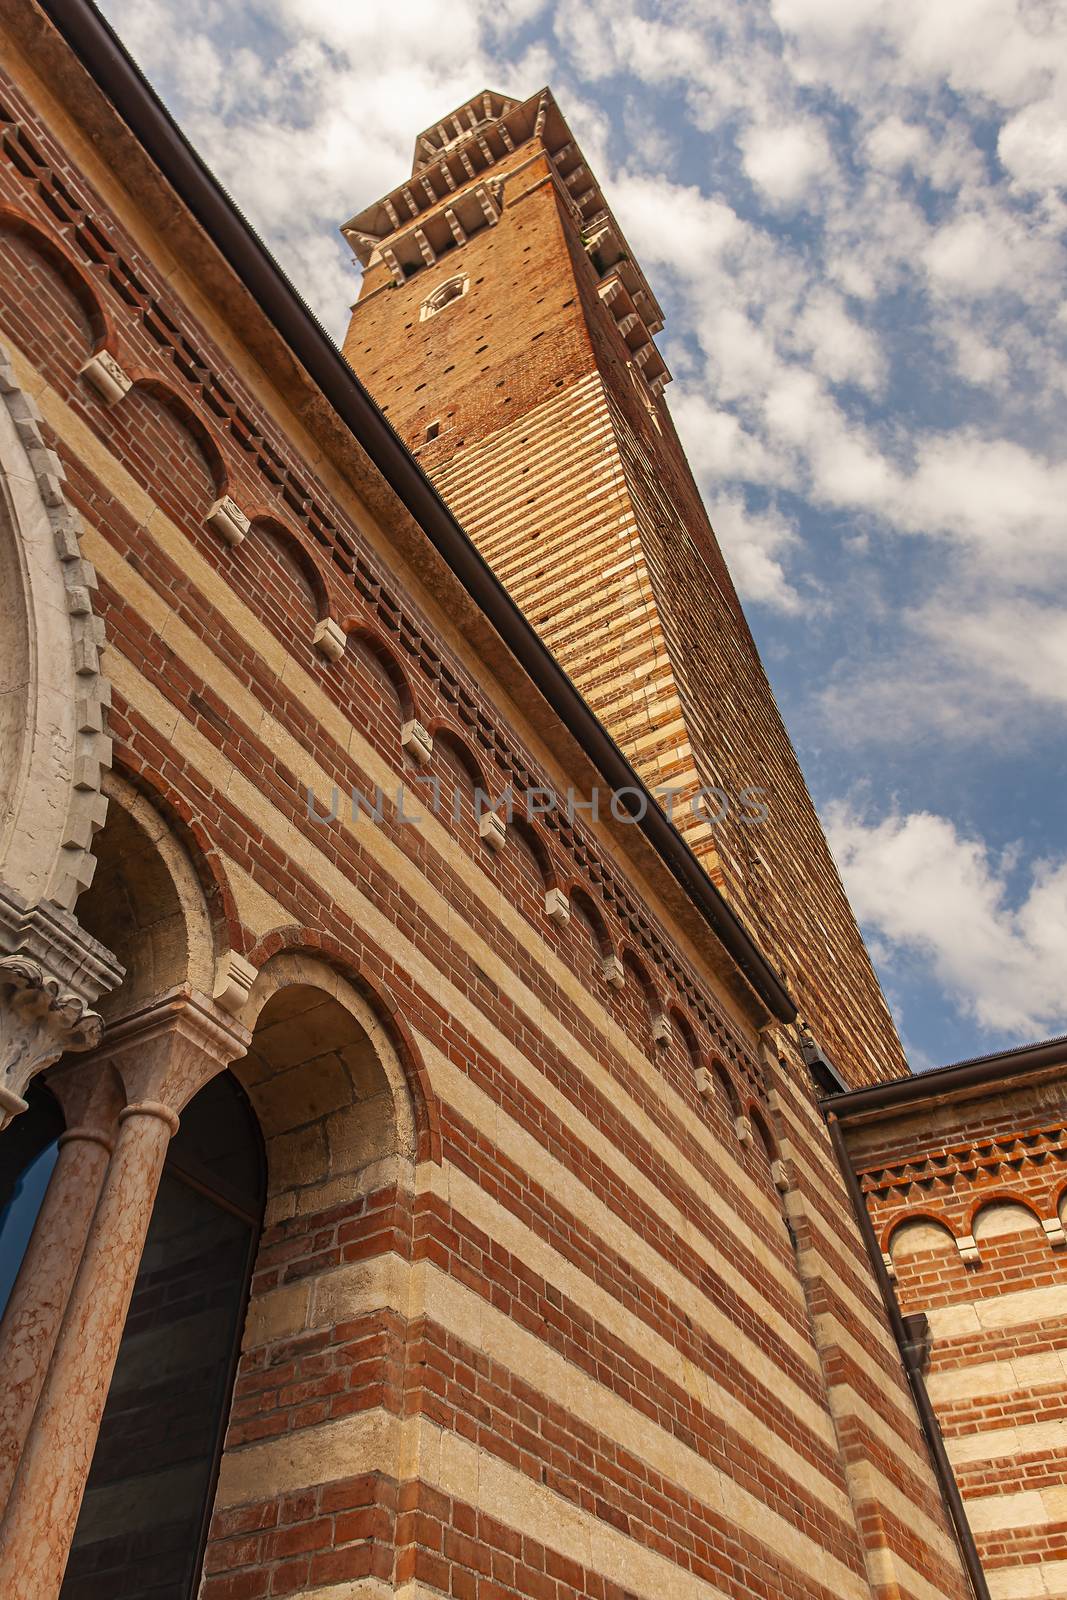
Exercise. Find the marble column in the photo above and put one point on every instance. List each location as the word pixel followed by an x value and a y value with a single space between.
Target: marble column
pixel 163 1054
pixel 90 1097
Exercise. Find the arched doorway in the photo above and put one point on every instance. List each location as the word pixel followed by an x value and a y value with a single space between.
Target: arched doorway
pixel 143 1522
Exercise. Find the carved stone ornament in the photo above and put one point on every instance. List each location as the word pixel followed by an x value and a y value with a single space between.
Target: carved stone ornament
pixel 51 973
pixel 227 519
pixel 39 1021
pixel 107 377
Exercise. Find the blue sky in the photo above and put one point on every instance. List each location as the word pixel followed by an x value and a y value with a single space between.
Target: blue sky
pixel 854 216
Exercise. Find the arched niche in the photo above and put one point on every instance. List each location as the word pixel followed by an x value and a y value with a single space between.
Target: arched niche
pixel 68 323
pixel 764 1142
pixel 638 974
pixel 725 1091
pixel 328 1087
pixel 532 859
pixel 461 773
pixel 288 566
pixel 686 1033
pixel 170 450
pixel 52 693
pixel 589 921
pixel 384 676
pixel 1004 1218
pixel 915 1236
pixel 146 904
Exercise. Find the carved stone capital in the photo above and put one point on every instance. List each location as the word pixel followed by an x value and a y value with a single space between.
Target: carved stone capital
pixel 168 1049
pixel 51 972
pixel 39 1020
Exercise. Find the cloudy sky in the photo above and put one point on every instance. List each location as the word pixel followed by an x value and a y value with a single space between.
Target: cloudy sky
pixel 853 212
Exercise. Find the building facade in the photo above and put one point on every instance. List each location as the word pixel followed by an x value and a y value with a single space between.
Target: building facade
pixel 406 1194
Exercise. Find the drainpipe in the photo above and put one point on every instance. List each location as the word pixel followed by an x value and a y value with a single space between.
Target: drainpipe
pixel 912 1356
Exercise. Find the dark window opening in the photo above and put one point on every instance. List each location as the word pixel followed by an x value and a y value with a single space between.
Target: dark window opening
pixel 143 1524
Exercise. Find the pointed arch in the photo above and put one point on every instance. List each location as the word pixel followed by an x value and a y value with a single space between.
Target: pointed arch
pixel 47 626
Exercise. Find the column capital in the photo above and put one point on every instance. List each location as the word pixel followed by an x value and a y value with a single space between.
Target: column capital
pixel 51 972
pixel 167 1049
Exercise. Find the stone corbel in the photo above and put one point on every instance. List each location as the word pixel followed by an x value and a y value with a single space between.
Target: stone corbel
pixel 234 977
pixel 330 639
pixel 492 829
pixel 227 519
pixel 557 907
pixel 1054 1232
pixel 107 377
pixel 612 971
pixel 416 741
pixel 967 1246
pixel 51 972
pixel 662 1032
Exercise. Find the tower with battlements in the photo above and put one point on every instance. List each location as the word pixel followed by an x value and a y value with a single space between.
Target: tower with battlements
pixel 507 331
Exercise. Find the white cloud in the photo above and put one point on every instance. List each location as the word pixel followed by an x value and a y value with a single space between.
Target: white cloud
pixel 1033 145
pixel 894 143
pixel 929 892
pixel 982 254
pixel 785 160
pixel 836 345
pixel 754 544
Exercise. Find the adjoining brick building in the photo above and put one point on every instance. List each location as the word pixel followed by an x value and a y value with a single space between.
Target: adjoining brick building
pixel 401 1199
pixel 964 1175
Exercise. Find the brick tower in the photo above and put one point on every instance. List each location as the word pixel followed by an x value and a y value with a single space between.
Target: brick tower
pixel 506 330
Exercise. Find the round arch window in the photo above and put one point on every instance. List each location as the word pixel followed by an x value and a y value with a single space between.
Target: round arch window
pixel 451 289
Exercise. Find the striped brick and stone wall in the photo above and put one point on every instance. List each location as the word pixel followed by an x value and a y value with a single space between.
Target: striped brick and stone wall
pixel 557 1293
